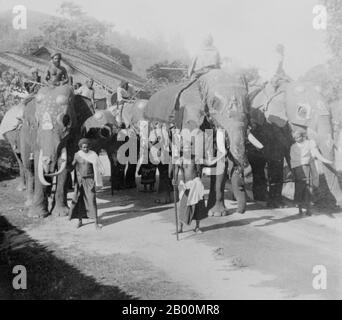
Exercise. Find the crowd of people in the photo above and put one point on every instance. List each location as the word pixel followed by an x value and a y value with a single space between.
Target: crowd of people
pixel 186 177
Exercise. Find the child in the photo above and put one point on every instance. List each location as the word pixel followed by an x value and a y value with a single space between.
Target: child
pixel 301 153
pixel 88 173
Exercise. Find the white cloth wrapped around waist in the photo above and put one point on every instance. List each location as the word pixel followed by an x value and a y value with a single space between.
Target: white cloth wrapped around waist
pixel 196 192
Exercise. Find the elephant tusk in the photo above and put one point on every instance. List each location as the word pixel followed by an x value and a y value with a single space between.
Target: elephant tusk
pixel 254 141
pixel 63 164
pixel 40 170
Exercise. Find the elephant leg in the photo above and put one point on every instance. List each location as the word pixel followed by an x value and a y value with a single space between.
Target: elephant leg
pixel 239 191
pixel 165 185
pixel 326 147
pixel 275 174
pixel 259 178
pixel 61 208
pixel 216 204
pixel 130 176
pixel 39 208
pixel 118 177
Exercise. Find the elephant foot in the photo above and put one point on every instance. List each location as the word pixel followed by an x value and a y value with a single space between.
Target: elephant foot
pixel 37 213
pixel 21 187
pixel 60 211
pixel 219 210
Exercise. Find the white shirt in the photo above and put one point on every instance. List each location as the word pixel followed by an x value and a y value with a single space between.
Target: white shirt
pixel 207 57
pixel 301 153
pixel 121 94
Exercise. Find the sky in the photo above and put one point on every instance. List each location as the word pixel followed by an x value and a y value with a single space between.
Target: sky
pixel 245 30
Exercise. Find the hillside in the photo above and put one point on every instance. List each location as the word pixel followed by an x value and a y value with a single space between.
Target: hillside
pixel 136 54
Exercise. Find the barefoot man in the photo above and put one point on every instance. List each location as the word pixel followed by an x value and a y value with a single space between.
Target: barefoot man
pixel 191 189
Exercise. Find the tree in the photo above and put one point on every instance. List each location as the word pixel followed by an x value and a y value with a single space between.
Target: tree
pixel 334 29
pixel 71 10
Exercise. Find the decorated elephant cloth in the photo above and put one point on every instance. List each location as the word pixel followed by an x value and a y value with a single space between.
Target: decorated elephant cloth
pixel 100 119
pixel 12 119
pixel 162 104
pixel 52 105
pixel 225 95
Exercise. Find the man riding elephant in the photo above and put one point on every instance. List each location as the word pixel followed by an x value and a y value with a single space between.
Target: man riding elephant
pixel 207 58
pixel 56 74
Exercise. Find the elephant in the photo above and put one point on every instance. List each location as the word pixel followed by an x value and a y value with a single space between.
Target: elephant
pixel 103 129
pixel 299 105
pixel 106 134
pixel 10 129
pixel 49 138
pixel 217 100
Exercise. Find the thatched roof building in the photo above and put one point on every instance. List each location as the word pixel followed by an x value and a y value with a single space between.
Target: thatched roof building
pixel 81 65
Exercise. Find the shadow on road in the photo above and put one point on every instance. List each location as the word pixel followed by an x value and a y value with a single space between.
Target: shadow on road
pixel 48 277
pixel 234 223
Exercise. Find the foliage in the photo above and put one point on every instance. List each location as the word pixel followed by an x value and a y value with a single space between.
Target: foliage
pixel 329 76
pixel 334 28
pixel 75 29
pixel 71 10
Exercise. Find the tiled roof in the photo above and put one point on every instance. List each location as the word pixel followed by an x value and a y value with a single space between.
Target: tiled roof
pixel 101 68
pixel 97 66
pixel 22 63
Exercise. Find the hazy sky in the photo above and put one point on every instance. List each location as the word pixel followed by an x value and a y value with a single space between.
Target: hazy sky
pixel 246 30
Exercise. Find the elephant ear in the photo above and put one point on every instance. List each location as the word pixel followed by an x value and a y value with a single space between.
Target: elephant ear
pixel 304 103
pixel 83 109
pixel 100 119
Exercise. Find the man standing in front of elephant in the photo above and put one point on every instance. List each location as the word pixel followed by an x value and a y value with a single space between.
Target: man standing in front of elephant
pixel 56 74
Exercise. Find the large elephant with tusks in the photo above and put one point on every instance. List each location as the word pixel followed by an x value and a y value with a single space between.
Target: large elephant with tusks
pixel 51 130
pixel 220 99
pixel 300 105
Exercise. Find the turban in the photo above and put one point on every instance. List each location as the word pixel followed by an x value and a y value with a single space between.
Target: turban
pixel 83 141
pixel 56 54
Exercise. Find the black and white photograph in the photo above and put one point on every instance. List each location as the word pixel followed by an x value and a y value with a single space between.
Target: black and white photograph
pixel 158 150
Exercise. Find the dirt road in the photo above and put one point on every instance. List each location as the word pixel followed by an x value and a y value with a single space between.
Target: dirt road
pixel 264 254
